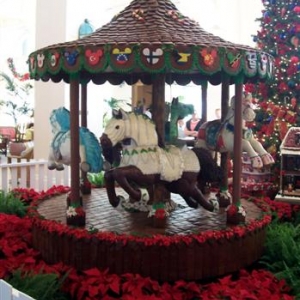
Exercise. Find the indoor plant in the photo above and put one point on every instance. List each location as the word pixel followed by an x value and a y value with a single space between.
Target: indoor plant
pixel 15 100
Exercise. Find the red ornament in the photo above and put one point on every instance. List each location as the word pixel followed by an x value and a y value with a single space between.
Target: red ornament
pixel 296 9
pixel 294 59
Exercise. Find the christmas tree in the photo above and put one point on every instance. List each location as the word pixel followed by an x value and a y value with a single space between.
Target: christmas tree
pixel 278 100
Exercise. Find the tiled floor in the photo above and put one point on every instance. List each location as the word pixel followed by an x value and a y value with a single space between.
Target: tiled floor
pixel 101 215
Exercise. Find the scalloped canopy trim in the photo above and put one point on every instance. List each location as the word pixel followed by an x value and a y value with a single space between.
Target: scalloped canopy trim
pixel 153 59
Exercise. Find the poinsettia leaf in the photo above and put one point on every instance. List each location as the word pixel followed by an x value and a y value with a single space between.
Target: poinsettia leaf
pixel 92 280
pixel 93 291
pixel 29 260
pixel 193 287
pixel 246 294
pixel 93 272
pixel 225 280
pixel 115 286
pixel 180 283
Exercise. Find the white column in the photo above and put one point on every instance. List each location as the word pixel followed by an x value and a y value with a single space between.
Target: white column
pixel 50 29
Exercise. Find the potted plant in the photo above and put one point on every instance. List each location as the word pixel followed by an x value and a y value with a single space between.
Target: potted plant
pixel 15 101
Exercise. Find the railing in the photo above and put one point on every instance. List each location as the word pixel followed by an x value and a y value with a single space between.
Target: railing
pixel 7 292
pixel 31 174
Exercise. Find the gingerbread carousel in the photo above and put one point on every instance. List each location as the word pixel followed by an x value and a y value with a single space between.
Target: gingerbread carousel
pixel 153 218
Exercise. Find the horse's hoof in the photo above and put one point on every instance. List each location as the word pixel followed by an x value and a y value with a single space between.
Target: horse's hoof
pixel 267 159
pixel 116 202
pixel 51 167
pixel 191 202
pixel 60 167
pixel 256 162
pixel 85 167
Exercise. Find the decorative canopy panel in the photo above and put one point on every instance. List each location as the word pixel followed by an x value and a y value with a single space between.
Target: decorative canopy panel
pixel 150 37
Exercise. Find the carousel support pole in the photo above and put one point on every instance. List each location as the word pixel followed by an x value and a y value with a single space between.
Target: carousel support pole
pixel 224 110
pixel 75 197
pixel 85 187
pixel 158 105
pixel 160 194
pixel 204 101
pixel 237 152
pixel 84 105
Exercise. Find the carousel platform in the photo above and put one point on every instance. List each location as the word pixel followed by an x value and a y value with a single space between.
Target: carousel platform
pixel 193 244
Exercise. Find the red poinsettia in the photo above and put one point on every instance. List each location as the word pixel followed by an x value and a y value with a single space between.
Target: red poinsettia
pixel 16 250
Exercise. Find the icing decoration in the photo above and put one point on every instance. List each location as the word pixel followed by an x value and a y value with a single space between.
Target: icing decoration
pixel 250 65
pixel 177 16
pixel 263 62
pixel 93 57
pixel 71 57
pixel 153 57
pixel 234 59
pixel 122 57
pixel 40 60
pixel 32 64
pixel 54 57
pixel 251 59
pixel 209 60
pixel 209 57
pixel 138 14
pixel 183 57
pixel 180 59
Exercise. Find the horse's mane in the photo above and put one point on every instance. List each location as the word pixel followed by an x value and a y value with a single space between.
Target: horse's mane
pixel 93 150
pixel 142 129
pixel 62 116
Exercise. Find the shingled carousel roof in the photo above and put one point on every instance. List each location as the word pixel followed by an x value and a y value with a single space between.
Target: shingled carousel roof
pixel 150 37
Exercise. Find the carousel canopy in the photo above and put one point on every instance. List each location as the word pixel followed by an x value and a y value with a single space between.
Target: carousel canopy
pixel 150 37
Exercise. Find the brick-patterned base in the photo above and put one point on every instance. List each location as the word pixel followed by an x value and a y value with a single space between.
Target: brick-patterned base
pixel 179 260
pixel 194 261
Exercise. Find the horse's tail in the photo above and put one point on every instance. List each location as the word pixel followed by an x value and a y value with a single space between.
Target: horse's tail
pixel 210 172
pixel 92 149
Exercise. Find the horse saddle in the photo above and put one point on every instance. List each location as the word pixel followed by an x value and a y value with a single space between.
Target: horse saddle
pixel 210 132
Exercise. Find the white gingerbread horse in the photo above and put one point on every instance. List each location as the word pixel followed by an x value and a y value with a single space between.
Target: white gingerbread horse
pixel 60 149
pixel 219 136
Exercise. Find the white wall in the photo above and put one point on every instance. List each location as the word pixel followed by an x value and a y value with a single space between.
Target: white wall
pixel 50 29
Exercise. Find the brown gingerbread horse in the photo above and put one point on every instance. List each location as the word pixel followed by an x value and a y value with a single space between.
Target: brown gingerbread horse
pixel 145 164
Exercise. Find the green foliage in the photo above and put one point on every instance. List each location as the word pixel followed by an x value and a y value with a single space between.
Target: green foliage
pixel 17 101
pixel 39 286
pixel 113 104
pixel 296 219
pixel 11 205
pixel 96 179
pixel 282 253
